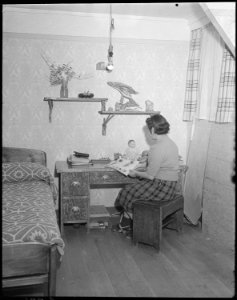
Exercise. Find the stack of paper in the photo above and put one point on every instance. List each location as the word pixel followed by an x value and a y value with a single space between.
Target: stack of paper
pixel 99 217
pixel 99 225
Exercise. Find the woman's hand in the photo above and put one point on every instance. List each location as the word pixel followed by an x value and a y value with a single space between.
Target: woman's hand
pixel 142 174
pixel 132 173
pixel 142 165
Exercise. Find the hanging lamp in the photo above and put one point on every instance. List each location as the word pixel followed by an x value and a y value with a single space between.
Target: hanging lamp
pixel 101 65
pixel 110 65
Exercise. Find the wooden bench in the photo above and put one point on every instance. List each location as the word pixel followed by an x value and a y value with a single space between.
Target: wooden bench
pixel 150 217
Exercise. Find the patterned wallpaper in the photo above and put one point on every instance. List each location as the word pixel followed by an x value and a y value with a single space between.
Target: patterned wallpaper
pixel 156 69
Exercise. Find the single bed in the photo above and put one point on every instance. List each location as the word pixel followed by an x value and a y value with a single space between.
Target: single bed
pixel 32 246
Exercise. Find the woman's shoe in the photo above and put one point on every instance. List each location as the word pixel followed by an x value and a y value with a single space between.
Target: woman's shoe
pixel 116 228
pixel 129 235
pixel 125 224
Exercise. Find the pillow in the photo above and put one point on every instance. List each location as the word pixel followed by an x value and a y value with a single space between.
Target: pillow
pixel 24 171
pixel 27 171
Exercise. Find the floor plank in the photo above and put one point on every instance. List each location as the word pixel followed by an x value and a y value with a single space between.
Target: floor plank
pixel 188 265
pixel 204 258
pixel 140 285
pixel 207 252
pixel 114 269
pixel 103 263
pixel 194 272
pixel 159 273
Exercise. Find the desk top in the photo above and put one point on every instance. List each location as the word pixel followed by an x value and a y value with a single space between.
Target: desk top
pixel 100 176
pixel 62 166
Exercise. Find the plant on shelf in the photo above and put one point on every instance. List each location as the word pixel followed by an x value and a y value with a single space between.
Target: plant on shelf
pixel 61 74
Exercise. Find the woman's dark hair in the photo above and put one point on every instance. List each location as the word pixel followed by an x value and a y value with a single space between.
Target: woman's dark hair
pixel 159 123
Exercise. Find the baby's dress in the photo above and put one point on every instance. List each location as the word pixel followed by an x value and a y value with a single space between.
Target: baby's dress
pixel 131 153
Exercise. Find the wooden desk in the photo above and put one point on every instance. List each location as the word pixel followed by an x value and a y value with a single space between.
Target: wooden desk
pixel 74 189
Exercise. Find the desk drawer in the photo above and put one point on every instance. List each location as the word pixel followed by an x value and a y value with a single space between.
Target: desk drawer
pixel 75 209
pixel 75 184
pixel 107 177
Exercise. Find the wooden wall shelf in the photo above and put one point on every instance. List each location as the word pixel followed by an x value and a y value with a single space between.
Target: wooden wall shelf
pixel 103 111
pixel 71 99
pixel 111 114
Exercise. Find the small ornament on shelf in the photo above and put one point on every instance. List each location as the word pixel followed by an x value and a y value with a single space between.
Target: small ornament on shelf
pixel 117 106
pixel 149 105
pixel 86 95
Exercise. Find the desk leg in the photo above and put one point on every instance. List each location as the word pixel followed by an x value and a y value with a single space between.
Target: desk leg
pixel 88 228
pixel 60 206
pixel 88 216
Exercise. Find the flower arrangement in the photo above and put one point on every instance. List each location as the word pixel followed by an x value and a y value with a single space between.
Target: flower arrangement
pixel 58 73
pixel 62 73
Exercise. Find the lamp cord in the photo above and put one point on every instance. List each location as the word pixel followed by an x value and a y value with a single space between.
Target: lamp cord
pixel 110 35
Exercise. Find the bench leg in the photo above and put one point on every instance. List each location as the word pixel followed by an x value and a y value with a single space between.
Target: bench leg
pixel 134 239
pixel 157 240
pixel 179 220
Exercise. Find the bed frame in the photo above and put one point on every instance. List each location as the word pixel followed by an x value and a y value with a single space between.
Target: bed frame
pixel 33 263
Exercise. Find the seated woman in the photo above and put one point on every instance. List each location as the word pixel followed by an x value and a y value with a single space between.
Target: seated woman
pixel 158 181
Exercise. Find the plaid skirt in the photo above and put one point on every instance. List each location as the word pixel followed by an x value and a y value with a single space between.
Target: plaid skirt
pixel 145 189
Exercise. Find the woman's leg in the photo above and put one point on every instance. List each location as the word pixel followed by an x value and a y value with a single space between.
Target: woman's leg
pixel 145 189
pixel 133 192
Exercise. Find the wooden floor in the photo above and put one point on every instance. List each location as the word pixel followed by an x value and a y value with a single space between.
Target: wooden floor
pixel 105 263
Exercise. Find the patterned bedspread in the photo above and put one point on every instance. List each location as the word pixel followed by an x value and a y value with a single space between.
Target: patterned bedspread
pixel 28 213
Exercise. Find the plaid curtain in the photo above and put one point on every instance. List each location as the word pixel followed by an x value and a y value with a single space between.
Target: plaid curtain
pixel 192 81
pixel 226 95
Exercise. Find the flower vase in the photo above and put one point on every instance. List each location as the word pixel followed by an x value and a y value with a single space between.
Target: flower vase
pixel 64 89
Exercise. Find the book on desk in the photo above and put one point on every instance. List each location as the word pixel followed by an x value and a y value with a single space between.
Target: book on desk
pixel 74 161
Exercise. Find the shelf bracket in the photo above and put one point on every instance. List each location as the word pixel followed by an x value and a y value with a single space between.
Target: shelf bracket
pixel 103 105
pixel 74 99
pixel 50 103
pixel 105 121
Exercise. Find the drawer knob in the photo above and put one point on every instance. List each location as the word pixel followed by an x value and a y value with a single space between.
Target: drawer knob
pixel 75 209
pixel 76 183
pixel 105 177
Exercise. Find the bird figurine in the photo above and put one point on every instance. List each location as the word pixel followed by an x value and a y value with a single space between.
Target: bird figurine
pixel 126 91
